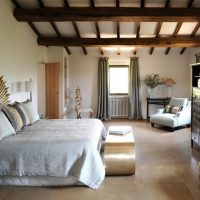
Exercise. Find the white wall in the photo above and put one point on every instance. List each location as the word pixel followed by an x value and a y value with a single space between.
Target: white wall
pixel 82 71
pixel 19 53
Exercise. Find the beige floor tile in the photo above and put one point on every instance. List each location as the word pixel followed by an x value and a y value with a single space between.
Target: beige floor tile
pixel 188 172
pixel 166 169
pixel 159 174
pixel 194 187
pixel 74 193
pixel 175 191
pixel 29 193
pixel 4 191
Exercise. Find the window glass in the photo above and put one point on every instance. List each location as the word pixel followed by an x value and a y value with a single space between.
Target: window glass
pixel 118 79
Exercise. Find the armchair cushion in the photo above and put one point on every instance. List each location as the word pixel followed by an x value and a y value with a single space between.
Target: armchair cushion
pixel 175 116
pixel 173 109
pixel 178 102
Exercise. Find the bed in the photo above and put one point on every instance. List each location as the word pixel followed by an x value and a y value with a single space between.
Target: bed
pixel 52 152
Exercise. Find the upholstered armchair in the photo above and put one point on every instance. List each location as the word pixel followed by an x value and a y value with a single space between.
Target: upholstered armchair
pixel 177 113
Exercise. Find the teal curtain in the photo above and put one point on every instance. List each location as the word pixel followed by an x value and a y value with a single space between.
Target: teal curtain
pixel 134 111
pixel 103 111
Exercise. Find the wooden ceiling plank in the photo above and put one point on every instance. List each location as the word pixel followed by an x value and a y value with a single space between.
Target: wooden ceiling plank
pixel 190 2
pixel 167 3
pixel 115 14
pixel 41 3
pixel 181 41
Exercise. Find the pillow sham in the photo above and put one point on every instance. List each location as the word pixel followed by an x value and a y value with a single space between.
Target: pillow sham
pixel 14 117
pixel 6 128
pixel 31 111
pixel 172 109
pixel 23 113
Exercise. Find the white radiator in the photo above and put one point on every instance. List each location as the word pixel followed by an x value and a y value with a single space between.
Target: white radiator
pixel 119 107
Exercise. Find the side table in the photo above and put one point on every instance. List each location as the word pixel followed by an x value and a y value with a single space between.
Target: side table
pixel 119 154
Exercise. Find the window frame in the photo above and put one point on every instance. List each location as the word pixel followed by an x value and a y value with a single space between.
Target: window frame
pixel 118 66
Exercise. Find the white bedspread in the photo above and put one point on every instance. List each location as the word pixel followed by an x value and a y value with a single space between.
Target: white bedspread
pixel 56 148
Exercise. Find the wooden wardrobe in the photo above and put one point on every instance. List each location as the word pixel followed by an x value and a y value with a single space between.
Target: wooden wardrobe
pixel 52 89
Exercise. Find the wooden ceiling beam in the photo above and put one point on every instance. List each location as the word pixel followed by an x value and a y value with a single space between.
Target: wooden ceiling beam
pixel 190 2
pixel 101 51
pixel 117 3
pixel 181 41
pixel 142 3
pixel 196 28
pixel 167 3
pixel 114 14
pixel 92 4
pixel 33 27
pixel 41 3
pixel 138 30
pixel 66 3
pixel 158 27
pixel 76 30
pixel 79 36
pixel 118 30
pixel 177 29
pixel 97 30
pixel 15 2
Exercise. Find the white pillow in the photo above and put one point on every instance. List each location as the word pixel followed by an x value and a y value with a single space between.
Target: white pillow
pixel 6 128
pixel 31 111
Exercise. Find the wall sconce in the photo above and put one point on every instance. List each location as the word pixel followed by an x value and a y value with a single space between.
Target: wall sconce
pixel 169 82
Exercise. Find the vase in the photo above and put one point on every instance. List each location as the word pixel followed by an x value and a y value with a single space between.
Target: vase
pixel 151 92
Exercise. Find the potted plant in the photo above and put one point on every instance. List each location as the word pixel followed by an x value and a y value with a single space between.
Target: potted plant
pixel 151 81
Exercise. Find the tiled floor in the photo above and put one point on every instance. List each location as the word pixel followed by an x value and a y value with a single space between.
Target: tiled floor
pixel 166 169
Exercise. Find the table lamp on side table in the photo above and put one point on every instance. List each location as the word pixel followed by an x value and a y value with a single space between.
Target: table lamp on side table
pixel 169 82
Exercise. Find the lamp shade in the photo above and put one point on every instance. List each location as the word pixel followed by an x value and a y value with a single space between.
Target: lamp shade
pixel 169 81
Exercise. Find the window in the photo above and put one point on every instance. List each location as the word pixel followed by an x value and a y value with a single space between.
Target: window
pixel 118 79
